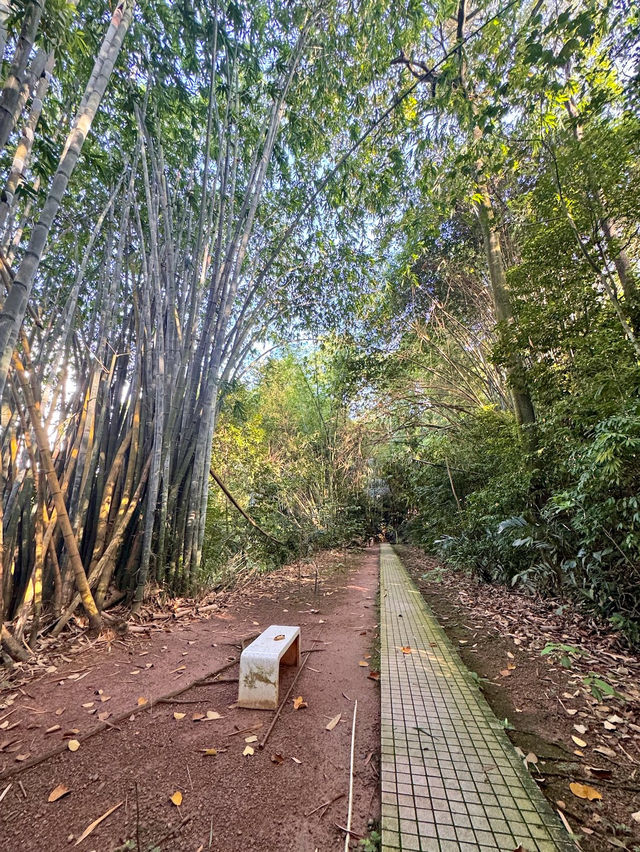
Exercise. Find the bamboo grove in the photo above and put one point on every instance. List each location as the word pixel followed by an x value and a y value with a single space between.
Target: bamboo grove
pixel 138 282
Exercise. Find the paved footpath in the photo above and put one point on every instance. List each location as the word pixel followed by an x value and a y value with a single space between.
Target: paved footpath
pixel 451 780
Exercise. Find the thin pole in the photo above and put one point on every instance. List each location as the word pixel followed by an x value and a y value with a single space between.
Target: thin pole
pixel 353 742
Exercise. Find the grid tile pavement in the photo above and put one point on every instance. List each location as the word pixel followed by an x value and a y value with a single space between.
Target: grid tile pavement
pixel 451 780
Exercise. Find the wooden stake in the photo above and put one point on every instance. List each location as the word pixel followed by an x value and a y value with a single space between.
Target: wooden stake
pixel 353 743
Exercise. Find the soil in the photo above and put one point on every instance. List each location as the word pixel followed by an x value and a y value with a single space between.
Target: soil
pixel 230 802
pixel 547 699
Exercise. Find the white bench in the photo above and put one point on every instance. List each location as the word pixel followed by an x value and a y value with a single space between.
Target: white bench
pixel 260 666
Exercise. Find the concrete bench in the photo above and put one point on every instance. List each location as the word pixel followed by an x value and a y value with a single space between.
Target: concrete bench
pixel 260 666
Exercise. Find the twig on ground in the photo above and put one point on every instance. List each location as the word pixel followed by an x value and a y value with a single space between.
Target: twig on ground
pixel 325 804
pixel 245 730
pixel 284 701
pixel 170 833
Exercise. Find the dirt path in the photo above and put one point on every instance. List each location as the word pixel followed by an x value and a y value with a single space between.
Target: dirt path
pixel 253 802
pixel 575 735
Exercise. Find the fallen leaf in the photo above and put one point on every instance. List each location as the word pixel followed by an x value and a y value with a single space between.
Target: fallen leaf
pixel 299 703
pixel 104 716
pixel 505 672
pixel 59 711
pixel 406 649
pixel 88 704
pixel 331 725
pixel 531 758
pixel 363 663
pixel 608 726
pixel 374 675
pixel 608 752
pixel 97 822
pixel 571 712
pixel 584 791
pixel 616 720
pixel 636 816
pixel 176 798
pixel 580 743
pixel 197 717
pixel 278 637
pixel 277 758
pixel 247 751
pixel 581 729
pixel 58 792
pixel 295 760
pixel 142 701
pixel 251 739
pixel 73 745
pixel 178 716
pixel 510 655
pixel 105 698
pixel 22 757
pixel 209 752
pixel 212 714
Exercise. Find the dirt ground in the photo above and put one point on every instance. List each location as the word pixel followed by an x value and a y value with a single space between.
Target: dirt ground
pixel 568 734
pixel 231 802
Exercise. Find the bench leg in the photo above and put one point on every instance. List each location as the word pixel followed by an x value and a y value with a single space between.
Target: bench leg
pixel 258 685
pixel 291 656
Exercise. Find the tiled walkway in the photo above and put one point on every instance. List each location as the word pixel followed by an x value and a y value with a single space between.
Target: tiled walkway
pixel 451 780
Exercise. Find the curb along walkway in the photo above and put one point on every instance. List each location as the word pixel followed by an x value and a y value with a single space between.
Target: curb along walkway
pixel 451 780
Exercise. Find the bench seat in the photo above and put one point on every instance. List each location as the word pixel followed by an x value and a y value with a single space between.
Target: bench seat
pixel 260 666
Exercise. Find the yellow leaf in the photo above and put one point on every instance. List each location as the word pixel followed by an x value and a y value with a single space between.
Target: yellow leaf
pixel 363 663
pixel 197 717
pixel 211 714
pixel 97 822
pixel 331 725
pixel 178 716
pixel 406 650
pixel 73 745
pixel 247 751
pixel 278 637
pixel 209 752
pixel 58 792
pixel 176 798
pixel 251 739
pixel 142 701
pixel 584 791
pixel 299 702
pixel 580 743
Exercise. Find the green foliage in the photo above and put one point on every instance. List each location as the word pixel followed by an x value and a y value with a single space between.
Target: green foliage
pixel 288 450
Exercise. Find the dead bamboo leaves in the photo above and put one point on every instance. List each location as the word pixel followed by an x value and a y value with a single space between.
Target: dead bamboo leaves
pixel 97 822
pixel 58 793
pixel 331 725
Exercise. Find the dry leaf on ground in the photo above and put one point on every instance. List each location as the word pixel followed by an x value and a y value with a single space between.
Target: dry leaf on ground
pixel 363 663
pixel 248 751
pixel 277 758
pixel 142 701
pixel 97 822
pixel 179 716
pixel 212 714
pixel 580 743
pixel 299 703
pixel 278 637
pixel 209 752
pixel 176 798
pixel 584 791
pixel 331 725
pixel 251 739
pixel 58 792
